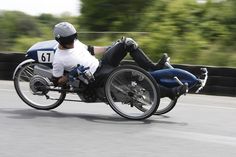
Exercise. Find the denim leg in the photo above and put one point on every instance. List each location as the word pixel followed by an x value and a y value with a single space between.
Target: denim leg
pixel 142 60
pixel 114 55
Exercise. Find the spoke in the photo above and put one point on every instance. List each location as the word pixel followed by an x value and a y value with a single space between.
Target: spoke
pixel 29 71
pixel 119 89
pixel 143 102
pixel 120 83
pixel 31 68
pixel 26 74
pixel 22 78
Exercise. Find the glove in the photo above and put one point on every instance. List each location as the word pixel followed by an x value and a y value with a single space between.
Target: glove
pixel 83 74
pixel 81 69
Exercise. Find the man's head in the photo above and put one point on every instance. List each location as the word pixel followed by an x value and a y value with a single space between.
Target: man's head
pixel 65 34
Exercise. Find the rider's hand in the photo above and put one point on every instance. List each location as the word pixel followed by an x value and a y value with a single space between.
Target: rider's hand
pixel 62 81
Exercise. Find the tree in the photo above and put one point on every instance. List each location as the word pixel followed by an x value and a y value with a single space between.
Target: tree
pixel 15 24
pixel 184 28
pixel 106 15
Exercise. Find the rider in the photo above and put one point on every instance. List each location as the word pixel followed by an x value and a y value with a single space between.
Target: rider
pixel 71 52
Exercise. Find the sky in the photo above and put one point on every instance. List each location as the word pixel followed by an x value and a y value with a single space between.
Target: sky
pixel 37 7
pixel 55 7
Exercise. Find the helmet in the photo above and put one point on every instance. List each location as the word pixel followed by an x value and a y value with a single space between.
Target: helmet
pixel 65 33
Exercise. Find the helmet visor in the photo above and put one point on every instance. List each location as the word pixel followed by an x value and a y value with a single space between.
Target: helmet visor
pixel 67 40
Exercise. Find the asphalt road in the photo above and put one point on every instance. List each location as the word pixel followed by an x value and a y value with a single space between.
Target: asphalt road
pixel 199 126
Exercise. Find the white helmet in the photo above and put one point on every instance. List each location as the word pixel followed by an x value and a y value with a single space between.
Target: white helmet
pixel 65 33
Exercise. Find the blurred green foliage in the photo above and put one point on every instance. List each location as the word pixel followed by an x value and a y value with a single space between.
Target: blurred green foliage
pixel 190 32
pixel 19 31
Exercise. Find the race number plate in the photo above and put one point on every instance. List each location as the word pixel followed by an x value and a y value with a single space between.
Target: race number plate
pixel 45 56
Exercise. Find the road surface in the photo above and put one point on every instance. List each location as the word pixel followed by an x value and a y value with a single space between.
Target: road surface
pixel 199 126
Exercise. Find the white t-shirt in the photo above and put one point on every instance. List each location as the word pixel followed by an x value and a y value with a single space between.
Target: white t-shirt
pixel 70 58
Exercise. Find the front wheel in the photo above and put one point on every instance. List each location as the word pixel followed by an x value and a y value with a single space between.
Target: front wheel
pixel 129 89
pixel 34 89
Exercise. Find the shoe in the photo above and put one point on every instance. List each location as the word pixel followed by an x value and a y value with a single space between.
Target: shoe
pixel 178 91
pixel 130 44
pixel 162 61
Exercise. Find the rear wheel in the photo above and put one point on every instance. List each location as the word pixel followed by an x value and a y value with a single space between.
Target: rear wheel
pixel 166 105
pixel 34 89
pixel 129 88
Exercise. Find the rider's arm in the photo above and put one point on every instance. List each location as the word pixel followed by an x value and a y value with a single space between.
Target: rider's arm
pixel 59 78
pixel 99 49
pixel 94 50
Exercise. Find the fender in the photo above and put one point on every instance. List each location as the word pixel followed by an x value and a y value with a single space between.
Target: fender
pixel 21 64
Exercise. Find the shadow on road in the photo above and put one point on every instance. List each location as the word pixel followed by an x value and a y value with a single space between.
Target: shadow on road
pixel 97 118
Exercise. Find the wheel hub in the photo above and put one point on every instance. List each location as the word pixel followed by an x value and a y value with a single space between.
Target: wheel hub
pixel 38 85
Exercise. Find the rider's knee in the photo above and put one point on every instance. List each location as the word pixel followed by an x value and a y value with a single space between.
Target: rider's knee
pixel 129 44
